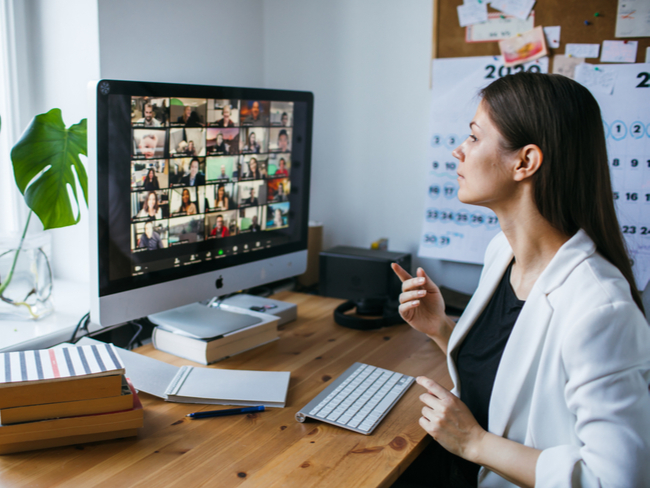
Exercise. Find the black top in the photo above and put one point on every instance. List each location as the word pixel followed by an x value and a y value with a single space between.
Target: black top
pixel 479 356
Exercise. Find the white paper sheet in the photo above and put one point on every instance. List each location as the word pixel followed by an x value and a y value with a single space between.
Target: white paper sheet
pixel 552 34
pixel 633 18
pixel 582 50
pixel 518 8
pixel 472 12
pixel 619 51
pixel 599 79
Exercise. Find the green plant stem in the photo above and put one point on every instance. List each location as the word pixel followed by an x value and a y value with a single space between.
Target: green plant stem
pixel 4 285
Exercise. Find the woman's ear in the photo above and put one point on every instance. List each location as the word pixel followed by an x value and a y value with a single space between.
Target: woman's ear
pixel 530 159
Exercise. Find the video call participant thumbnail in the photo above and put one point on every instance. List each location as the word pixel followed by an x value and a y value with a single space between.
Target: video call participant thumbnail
pixel 221 168
pixel 254 113
pixel 185 230
pixel 151 205
pixel 219 229
pixel 250 219
pixel 221 224
pixel 224 114
pixel 251 193
pixel 282 114
pixel 279 189
pixel 150 236
pixel 282 169
pixel 187 142
pixel 254 141
pixel 280 140
pixel 254 169
pixel 185 201
pixel 149 175
pixel 195 176
pixel 149 112
pixel 188 112
pixel 277 216
pixel 149 143
pixel 220 196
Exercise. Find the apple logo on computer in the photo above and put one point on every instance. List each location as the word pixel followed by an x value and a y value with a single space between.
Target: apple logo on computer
pixel 219 282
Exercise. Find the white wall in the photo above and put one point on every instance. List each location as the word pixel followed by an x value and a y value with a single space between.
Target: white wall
pixel 188 41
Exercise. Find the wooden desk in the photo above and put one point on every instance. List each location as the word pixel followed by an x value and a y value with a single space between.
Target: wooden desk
pixel 269 449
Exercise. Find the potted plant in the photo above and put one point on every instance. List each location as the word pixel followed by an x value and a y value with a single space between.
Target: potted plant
pixel 46 168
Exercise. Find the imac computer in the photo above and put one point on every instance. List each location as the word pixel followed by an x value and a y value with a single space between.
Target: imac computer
pixel 195 191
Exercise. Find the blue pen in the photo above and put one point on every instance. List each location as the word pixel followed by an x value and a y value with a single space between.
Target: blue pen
pixel 223 413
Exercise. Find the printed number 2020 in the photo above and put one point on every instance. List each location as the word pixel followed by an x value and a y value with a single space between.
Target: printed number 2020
pixel 506 70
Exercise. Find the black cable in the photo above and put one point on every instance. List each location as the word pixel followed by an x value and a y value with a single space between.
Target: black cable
pixel 86 320
pixel 129 345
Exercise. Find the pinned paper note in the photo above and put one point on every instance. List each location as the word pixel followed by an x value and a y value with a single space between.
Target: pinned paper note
pixel 564 65
pixel 582 50
pixel 472 12
pixel 596 78
pixel 619 51
pixel 552 34
pixel 633 18
pixel 519 8
pixel 498 27
pixel 524 47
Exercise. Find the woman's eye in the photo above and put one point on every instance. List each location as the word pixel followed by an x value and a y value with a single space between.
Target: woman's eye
pixel 473 137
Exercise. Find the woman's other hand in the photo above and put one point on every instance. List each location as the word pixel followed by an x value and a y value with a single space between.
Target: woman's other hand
pixel 422 306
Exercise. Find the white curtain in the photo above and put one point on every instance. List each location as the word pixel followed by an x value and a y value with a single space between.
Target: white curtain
pixel 10 198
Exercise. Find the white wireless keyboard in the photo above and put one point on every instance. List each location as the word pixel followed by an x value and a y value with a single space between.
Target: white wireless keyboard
pixel 358 399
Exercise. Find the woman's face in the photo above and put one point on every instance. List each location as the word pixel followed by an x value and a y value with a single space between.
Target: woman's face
pixel 151 202
pixel 252 137
pixel 186 197
pixel 484 169
pixel 252 165
pixel 221 192
pixel 219 138
pixel 278 215
pixel 151 175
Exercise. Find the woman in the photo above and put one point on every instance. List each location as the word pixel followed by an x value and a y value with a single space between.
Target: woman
pixel 253 171
pixel 186 207
pixel 252 146
pixel 280 196
pixel 219 145
pixel 222 202
pixel 277 219
pixel 150 209
pixel 151 181
pixel 551 358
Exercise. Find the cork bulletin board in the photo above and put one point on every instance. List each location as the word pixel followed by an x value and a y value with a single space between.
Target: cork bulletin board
pixel 449 37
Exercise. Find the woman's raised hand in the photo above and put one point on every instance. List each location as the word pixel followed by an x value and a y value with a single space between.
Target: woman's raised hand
pixel 422 306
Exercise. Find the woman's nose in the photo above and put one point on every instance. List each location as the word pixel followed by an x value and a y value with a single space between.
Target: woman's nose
pixel 458 153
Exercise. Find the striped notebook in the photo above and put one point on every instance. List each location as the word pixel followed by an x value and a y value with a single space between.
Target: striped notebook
pixel 62 363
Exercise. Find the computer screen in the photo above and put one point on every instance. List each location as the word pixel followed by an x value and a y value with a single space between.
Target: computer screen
pixel 195 191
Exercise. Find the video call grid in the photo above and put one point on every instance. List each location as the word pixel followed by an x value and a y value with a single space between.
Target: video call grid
pixel 208 168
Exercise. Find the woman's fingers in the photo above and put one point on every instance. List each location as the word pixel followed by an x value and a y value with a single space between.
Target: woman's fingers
pixel 400 272
pixel 412 295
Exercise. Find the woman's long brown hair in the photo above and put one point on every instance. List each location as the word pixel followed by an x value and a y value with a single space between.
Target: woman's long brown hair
pixel 573 189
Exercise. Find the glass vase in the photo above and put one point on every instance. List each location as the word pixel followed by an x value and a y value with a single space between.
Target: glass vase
pixel 28 295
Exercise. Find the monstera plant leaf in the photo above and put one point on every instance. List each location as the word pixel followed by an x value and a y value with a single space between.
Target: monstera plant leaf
pixel 46 160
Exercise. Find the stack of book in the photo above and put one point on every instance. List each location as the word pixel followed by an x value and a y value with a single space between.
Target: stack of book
pixel 63 396
pixel 207 334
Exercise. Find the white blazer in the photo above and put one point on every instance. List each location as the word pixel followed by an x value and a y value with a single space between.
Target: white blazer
pixel 573 378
